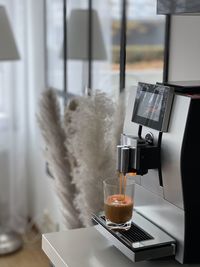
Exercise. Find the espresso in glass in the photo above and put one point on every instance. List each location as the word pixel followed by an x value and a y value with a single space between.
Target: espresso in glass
pixel 118 202
pixel 118 208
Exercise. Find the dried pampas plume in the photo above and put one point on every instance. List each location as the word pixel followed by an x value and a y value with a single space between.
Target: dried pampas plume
pixel 81 150
pixel 57 156
pixel 90 139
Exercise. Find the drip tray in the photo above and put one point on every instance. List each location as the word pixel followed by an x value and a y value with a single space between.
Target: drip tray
pixel 143 241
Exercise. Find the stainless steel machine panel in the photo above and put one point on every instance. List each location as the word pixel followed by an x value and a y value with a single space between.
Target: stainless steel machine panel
pixel 171 147
pixel 162 213
pixel 170 153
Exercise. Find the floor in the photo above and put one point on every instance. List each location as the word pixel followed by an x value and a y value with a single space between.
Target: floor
pixel 30 256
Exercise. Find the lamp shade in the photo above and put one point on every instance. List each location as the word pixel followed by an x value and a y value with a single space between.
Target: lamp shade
pixel 78 36
pixel 8 48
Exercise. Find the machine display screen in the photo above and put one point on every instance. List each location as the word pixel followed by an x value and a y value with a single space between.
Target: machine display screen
pixel 153 105
pixel 150 107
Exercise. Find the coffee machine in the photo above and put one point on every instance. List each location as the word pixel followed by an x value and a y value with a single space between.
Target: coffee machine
pixel 160 143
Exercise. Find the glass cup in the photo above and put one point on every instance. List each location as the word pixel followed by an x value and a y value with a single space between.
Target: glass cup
pixel 118 202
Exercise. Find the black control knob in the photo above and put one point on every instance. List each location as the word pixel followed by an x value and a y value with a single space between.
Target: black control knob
pixel 149 138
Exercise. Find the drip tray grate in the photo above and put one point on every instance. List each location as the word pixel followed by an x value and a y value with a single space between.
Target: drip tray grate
pixel 134 234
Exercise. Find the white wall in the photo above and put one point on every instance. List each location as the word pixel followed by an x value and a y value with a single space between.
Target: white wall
pixel 40 187
pixel 185 48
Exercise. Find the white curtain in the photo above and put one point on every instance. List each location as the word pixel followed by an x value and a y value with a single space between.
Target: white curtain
pixel 13 125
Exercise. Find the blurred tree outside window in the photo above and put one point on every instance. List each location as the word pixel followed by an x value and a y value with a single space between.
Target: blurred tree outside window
pixel 144 44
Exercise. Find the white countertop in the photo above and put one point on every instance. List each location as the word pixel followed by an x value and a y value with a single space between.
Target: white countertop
pixel 86 247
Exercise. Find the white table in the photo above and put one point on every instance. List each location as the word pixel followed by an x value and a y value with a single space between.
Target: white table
pixel 86 247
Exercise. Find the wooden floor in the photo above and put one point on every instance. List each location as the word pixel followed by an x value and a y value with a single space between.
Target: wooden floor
pixel 30 256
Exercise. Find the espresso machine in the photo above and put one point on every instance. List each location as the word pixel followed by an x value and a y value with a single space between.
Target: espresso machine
pixel 160 143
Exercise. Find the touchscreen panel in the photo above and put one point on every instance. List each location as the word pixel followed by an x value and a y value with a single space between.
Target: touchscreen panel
pixel 153 105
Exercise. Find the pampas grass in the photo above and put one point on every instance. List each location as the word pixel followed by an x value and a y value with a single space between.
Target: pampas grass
pixel 57 156
pixel 88 127
pixel 83 154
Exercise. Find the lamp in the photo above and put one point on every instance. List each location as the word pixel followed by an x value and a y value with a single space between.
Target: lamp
pixel 78 39
pixel 9 240
pixel 8 48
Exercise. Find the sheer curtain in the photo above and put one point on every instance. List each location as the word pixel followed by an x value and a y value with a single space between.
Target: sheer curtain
pixel 13 125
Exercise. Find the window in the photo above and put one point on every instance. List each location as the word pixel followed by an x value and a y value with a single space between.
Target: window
pixel 105 73
pixel 145 42
pixel 54 44
pixel 83 68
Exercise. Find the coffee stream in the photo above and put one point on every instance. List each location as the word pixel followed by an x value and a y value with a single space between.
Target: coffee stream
pixel 122 184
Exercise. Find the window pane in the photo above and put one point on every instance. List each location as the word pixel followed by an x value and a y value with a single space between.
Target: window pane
pixel 54 44
pixel 105 75
pixel 145 42
pixel 77 46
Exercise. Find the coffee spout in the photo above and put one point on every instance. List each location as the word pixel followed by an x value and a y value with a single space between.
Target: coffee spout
pixel 123 159
pixel 124 168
